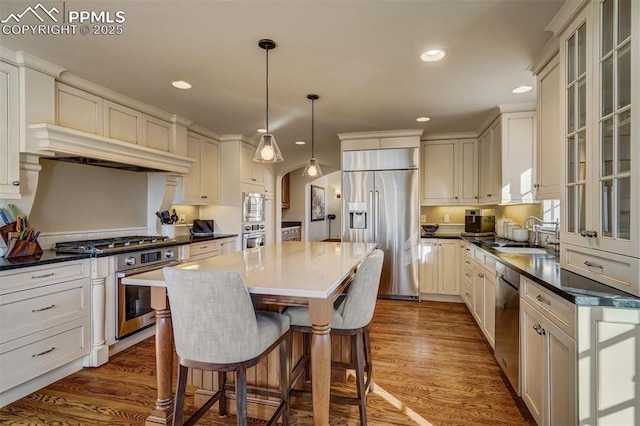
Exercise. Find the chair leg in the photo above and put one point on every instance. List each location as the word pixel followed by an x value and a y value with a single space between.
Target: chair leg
pixel 362 393
pixel 178 415
pixel 369 363
pixel 307 355
pixel 222 403
pixel 285 379
pixel 241 395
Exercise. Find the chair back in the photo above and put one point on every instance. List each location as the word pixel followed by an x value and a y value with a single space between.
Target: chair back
pixel 357 308
pixel 212 314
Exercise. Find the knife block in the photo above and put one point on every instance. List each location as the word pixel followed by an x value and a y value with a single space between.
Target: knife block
pixel 16 247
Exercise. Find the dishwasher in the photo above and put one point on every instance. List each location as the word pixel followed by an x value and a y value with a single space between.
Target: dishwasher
pixel 507 345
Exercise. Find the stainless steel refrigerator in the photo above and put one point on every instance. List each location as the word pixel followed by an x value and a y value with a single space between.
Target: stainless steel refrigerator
pixel 380 204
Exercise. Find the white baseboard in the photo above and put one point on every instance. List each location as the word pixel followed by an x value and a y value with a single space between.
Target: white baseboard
pixel 440 298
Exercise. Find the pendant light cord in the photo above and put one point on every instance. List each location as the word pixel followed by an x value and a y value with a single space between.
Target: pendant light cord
pixel 267 87
pixel 313 122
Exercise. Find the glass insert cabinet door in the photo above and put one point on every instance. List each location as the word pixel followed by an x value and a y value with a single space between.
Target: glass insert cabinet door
pixel 601 131
pixel 614 115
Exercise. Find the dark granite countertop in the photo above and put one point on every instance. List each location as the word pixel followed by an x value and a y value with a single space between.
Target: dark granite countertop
pixel 50 256
pixel 453 236
pixel 545 270
pixel 291 224
pixel 47 257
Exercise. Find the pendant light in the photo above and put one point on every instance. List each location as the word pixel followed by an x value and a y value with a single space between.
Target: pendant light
pixel 267 151
pixel 312 169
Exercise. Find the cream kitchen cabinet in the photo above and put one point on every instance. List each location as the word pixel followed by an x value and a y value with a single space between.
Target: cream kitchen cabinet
pixel 439 265
pixel 157 134
pixel 490 164
pixel 599 103
pixel 210 248
pixel 45 324
pixel 202 184
pixel 121 122
pixel 548 356
pixel 449 170
pixel 228 245
pixel 10 132
pixel 506 154
pixel 466 274
pixel 79 110
pixel 549 135
pixel 251 172
pixel 482 279
pixel 380 140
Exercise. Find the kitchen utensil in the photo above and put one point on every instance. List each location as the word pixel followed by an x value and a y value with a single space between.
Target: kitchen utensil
pixel 14 210
pixel 166 217
pixel 5 219
pixel 35 237
pixel 520 234
pixel 159 216
pixel 174 216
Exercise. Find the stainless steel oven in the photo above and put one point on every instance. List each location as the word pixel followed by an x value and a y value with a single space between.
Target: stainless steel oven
pixel 134 311
pixel 253 239
pixel 252 207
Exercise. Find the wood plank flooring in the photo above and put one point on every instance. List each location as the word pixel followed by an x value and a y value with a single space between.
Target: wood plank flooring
pixel 431 367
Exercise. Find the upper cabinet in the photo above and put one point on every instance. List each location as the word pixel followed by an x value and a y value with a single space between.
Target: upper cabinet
pixel 387 139
pixel 9 132
pixel 449 171
pixel 251 172
pixel 285 190
pixel 600 83
pixel 548 166
pixel 506 155
pixel 202 184
pixel 80 110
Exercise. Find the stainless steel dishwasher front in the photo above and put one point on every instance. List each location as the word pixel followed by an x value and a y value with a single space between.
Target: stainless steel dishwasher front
pixel 507 347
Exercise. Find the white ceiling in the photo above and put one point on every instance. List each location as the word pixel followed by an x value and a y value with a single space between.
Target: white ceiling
pixel 361 57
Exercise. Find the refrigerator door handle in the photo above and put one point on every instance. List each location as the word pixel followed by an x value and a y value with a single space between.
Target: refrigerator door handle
pixel 376 216
pixel 372 214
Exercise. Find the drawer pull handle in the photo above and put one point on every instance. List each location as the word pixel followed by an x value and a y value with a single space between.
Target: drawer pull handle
pixel 542 300
pixel 593 265
pixel 46 308
pixel 35 277
pixel 43 353
pixel 204 247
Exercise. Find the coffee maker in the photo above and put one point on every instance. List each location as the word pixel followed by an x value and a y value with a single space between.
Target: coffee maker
pixel 479 222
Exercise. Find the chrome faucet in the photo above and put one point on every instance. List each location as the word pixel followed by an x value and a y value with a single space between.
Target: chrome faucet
pixel 536 230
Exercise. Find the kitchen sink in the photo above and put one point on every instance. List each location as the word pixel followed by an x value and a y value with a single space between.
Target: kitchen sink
pixel 512 244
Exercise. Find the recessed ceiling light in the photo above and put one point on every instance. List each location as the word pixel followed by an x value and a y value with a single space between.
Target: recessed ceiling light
pixel 262 130
pixel 300 142
pixel 422 119
pixel 179 84
pixel 522 89
pixel 433 55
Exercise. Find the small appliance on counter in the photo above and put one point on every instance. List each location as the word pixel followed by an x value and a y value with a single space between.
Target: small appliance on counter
pixel 202 227
pixel 479 221
pixel 430 229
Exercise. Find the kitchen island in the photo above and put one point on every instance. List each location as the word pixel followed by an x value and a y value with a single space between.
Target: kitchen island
pixel 291 273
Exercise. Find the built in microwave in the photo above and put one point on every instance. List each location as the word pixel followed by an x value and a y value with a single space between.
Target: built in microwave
pixel 252 207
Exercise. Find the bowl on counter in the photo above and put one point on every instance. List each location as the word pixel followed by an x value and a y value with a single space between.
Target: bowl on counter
pixel 520 234
pixel 430 229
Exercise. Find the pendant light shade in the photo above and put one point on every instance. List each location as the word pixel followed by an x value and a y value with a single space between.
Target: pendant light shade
pixel 268 150
pixel 312 169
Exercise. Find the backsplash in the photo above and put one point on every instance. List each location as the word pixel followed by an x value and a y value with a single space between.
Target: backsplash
pixel 518 212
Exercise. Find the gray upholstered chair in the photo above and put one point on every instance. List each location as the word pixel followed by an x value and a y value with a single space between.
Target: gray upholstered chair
pixel 350 318
pixel 216 329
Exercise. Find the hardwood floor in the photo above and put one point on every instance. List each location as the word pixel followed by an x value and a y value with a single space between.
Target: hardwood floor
pixel 431 367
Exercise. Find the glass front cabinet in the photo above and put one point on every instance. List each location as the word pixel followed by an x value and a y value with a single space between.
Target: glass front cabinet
pixel 600 85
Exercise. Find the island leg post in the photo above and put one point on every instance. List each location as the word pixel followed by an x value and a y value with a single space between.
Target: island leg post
pixel 162 413
pixel 320 317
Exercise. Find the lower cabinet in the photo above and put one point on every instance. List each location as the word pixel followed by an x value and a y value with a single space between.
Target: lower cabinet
pixel 548 366
pixel 439 266
pixel 291 233
pixel 45 324
pixel 211 248
pixel 483 300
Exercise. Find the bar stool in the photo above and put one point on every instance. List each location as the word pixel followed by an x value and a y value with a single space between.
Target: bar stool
pixel 351 318
pixel 217 329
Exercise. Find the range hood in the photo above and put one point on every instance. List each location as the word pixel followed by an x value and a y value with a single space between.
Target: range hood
pixel 86 148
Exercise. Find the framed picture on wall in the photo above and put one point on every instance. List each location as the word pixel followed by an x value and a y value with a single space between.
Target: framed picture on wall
pixel 317 203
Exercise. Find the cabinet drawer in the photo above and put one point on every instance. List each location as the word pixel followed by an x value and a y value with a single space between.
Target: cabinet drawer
pixel 26 312
pixel 31 356
pixel 41 275
pixel 560 311
pixel 209 247
pixel 614 270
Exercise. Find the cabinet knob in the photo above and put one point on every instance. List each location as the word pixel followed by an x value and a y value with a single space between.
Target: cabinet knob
pixel 481 275
pixel 253 179
pixel 488 195
pixel 15 183
pixel 536 185
pixel 455 198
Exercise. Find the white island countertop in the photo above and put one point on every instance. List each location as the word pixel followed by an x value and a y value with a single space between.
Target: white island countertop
pixel 294 268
